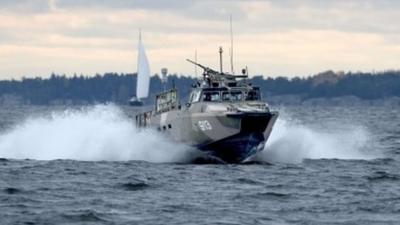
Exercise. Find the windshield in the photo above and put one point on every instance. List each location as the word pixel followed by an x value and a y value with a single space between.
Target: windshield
pixel 195 96
pixel 211 96
pixel 232 96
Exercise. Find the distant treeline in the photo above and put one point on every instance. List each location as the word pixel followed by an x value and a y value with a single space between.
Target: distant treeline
pixel 112 87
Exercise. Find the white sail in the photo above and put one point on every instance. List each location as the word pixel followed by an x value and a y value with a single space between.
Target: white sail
pixel 143 73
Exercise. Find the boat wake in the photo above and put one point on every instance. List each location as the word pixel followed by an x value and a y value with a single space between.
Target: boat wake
pixel 291 142
pixel 101 132
pixel 104 132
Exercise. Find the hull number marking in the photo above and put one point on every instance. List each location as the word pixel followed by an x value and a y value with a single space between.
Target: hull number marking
pixel 204 125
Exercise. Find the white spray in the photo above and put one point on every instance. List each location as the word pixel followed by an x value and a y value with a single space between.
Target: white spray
pixel 101 132
pixel 291 142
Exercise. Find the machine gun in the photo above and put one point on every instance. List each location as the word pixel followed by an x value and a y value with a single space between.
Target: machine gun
pixel 207 70
pixel 215 75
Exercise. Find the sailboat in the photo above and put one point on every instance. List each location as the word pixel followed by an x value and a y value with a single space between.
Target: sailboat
pixel 143 76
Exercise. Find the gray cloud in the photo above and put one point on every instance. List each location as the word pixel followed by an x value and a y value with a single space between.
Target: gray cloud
pixel 33 6
pixel 356 15
pixel 281 15
pixel 355 4
pixel 206 9
pixel 125 4
pixel 349 16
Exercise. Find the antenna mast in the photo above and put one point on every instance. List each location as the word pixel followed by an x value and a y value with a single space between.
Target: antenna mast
pixel 220 59
pixel 195 59
pixel 231 52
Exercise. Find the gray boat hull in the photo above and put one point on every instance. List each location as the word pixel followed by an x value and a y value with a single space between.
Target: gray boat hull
pixel 230 137
pixel 254 133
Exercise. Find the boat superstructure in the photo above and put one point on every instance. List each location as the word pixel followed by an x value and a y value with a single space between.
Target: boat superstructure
pixel 225 116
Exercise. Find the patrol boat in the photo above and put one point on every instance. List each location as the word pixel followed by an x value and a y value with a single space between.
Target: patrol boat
pixel 224 117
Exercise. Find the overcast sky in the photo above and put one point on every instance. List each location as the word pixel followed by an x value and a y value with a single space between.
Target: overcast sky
pixel 274 38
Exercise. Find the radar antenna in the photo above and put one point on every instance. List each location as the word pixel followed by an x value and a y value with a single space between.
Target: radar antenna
pixel 231 50
pixel 220 60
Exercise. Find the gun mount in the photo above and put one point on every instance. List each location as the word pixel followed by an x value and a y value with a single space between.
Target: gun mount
pixel 215 78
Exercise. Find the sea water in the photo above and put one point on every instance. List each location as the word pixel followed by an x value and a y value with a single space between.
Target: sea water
pixel 91 165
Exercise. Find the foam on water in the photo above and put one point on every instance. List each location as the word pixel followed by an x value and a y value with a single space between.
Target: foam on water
pixel 291 142
pixel 101 132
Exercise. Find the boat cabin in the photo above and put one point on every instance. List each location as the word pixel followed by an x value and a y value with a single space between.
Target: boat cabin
pixel 167 101
pixel 224 94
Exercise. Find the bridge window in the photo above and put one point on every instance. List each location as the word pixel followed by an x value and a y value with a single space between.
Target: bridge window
pixel 232 96
pixel 195 96
pixel 236 95
pixel 211 96
pixel 226 96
